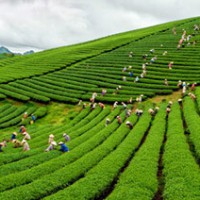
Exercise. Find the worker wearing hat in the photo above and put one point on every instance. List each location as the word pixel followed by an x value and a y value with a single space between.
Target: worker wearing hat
pixel 25 145
pixel 63 147
pixel 26 136
pixel 51 146
pixel 13 136
pixel 67 138
pixel 51 138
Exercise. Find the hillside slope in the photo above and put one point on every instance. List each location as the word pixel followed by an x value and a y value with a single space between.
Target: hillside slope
pixel 149 150
pixel 71 73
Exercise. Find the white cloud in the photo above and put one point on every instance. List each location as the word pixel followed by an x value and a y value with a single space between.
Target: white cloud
pixel 43 24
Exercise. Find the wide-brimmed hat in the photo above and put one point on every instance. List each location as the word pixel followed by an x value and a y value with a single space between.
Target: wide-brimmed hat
pixel 60 143
pixel 51 136
pixel 15 133
pixel 23 141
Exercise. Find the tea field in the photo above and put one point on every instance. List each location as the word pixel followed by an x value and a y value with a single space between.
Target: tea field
pixel 76 89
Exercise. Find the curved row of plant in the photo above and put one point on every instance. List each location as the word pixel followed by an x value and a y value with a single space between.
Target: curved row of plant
pixel 181 172
pixel 139 180
pixel 108 145
pixel 192 120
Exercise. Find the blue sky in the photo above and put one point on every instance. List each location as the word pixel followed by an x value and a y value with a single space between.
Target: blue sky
pixel 44 24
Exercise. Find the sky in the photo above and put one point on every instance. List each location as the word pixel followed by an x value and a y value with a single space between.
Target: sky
pixel 45 24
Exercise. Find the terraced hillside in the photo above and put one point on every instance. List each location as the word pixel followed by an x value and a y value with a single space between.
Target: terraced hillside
pixel 71 73
pixel 155 156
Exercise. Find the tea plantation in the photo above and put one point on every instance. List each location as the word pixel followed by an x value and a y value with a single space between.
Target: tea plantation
pixel 91 91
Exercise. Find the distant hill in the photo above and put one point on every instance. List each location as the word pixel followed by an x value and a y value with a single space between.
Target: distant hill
pixel 28 52
pixel 5 50
pixel 5 53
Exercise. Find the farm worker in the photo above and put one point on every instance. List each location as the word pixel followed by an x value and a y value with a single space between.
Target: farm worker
pixel 130 100
pixel 184 90
pixel 151 111
pixel 144 66
pixel 16 143
pixel 166 82
pixel 131 74
pixel 84 106
pixel 136 79
pixel 124 78
pixel 124 105
pixel 152 51
pixel 63 147
pixel 179 84
pixel 193 97
pixel 124 69
pixel 193 86
pixel 144 56
pixel 144 72
pixel 178 46
pixel 67 138
pixel 153 59
pixel 80 102
pixel 129 124
pixel 174 30
pixel 22 129
pixel 139 99
pixel 26 136
pixel 119 120
pixel 115 105
pixel 4 143
pixel 25 145
pixel 33 118
pixel 25 115
pixel 130 55
pixel 138 112
pixel 180 102
pixel 51 138
pixel 181 41
pixel 119 87
pixel 103 92
pixel 196 27
pixel 184 84
pixel 51 146
pixel 94 95
pixel 188 38
pixel 128 113
pixel 164 53
pixel 107 121
pixel 170 103
pixel 170 65
pixel 13 136
pixel 101 105
pixel 184 33
pixel 93 106
pixel 1 145
pixel 130 67
pixel 168 110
